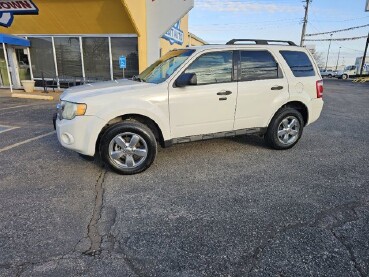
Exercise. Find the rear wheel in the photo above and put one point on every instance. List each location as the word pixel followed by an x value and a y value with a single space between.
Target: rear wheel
pixel 128 148
pixel 285 129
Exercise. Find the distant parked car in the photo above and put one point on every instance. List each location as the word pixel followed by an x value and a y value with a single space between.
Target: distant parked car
pixel 328 73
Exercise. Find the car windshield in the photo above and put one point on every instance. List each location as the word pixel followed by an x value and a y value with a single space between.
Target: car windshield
pixel 350 67
pixel 163 68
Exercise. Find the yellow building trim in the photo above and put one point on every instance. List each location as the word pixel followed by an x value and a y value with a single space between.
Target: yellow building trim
pixel 74 17
pixel 136 9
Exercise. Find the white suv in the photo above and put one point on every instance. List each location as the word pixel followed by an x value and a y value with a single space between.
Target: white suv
pixel 270 88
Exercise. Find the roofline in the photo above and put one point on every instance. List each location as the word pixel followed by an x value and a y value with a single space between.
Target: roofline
pixel 197 38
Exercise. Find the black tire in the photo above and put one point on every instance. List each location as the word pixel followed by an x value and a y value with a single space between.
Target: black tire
pixel 330 76
pixel 272 135
pixel 146 144
pixel 344 77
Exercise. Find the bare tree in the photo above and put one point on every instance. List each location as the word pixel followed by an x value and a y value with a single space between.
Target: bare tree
pixel 318 56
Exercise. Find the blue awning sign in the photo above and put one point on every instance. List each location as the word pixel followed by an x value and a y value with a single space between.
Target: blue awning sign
pixel 9 8
pixel 14 40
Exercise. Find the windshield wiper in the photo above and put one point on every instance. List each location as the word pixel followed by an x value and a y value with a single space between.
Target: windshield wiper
pixel 138 79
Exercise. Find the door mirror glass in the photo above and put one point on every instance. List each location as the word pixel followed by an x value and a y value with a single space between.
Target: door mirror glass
pixel 186 79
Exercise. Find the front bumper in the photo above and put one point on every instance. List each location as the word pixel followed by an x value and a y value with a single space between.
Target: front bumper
pixel 79 134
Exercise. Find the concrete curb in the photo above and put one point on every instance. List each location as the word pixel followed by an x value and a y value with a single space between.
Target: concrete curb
pixel 32 96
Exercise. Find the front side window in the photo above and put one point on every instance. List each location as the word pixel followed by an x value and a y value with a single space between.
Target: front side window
pixel 259 65
pixel 212 68
pixel 299 63
pixel 163 68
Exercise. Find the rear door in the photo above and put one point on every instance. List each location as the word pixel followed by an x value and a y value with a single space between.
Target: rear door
pixel 262 88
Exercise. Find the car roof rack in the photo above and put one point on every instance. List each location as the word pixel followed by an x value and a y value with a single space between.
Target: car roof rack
pixel 260 41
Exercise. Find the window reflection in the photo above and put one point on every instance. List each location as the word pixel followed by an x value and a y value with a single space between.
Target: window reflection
pixel 42 57
pixel 213 68
pixel 96 58
pixel 127 47
pixel 299 63
pixel 68 57
pixel 258 65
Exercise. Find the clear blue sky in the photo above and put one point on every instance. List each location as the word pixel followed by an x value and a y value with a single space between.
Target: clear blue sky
pixel 218 21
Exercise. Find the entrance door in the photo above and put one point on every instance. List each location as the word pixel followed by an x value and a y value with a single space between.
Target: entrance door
pixel 4 79
pixel 23 63
pixel 209 106
pixel 18 66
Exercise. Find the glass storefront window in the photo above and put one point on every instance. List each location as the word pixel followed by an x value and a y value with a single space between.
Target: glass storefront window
pixel 42 57
pixel 124 47
pixel 96 58
pixel 3 70
pixel 68 57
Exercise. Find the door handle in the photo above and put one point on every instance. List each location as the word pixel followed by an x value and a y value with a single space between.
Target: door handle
pixel 224 92
pixel 277 88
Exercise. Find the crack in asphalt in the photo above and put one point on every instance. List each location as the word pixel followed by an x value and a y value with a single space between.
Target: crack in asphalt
pixel 349 215
pixel 92 229
pixel 351 254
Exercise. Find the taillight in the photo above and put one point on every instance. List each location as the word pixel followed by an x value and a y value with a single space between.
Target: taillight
pixel 319 89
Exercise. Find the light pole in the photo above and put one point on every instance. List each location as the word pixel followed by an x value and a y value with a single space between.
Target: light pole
pixel 339 51
pixel 329 48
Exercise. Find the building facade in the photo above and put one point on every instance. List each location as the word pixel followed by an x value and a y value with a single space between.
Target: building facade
pixel 80 41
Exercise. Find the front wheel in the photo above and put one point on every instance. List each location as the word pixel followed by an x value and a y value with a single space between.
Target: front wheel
pixel 344 77
pixel 285 129
pixel 128 148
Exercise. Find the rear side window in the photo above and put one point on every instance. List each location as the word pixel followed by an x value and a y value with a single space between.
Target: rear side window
pixel 259 65
pixel 299 63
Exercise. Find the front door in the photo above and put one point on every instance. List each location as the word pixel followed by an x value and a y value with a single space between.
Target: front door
pixel 209 106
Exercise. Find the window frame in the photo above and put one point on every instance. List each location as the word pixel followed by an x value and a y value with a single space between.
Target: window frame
pixel 279 68
pixel 233 73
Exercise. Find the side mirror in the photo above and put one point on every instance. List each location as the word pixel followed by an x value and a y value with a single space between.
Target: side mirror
pixel 186 79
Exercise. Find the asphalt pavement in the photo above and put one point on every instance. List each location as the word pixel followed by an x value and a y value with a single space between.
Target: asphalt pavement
pixel 227 207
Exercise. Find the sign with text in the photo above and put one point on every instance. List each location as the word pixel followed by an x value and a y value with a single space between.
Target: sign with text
pixel 122 62
pixel 175 34
pixel 8 8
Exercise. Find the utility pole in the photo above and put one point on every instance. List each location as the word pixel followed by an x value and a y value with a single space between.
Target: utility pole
pixel 365 51
pixel 339 51
pixel 305 22
pixel 329 48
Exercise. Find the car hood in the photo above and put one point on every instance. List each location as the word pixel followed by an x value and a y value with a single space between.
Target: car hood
pixel 80 93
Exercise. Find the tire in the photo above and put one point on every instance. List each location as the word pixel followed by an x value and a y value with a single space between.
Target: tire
pixel 330 76
pixel 285 129
pixel 344 77
pixel 128 148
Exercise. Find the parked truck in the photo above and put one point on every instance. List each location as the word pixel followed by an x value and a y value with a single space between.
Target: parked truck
pixel 352 71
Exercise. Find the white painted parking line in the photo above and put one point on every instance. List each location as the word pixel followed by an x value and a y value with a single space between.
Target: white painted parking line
pixel 5 128
pixel 22 106
pixel 25 141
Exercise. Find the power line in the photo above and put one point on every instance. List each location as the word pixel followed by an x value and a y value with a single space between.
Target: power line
pixel 337 31
pixel 336 39
pixel 340 45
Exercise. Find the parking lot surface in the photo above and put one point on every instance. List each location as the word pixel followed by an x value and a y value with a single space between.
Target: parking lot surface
pixel 227 207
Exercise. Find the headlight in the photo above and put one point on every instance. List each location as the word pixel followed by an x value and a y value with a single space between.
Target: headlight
pixel 71 110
